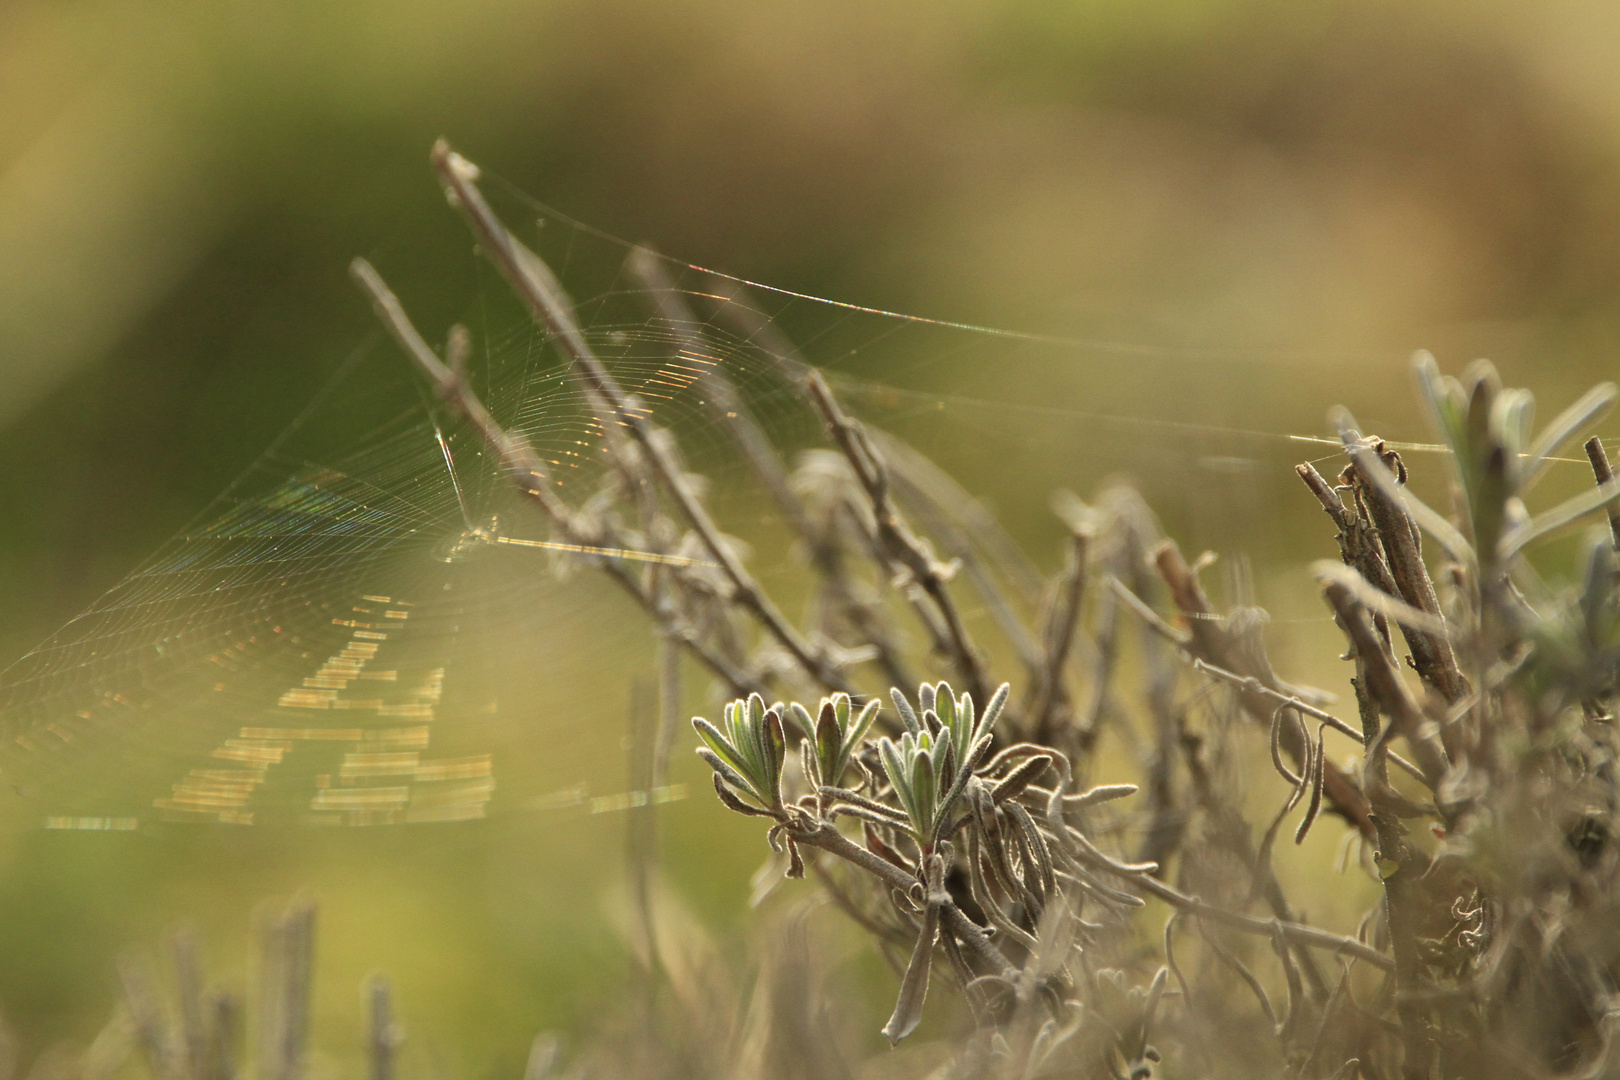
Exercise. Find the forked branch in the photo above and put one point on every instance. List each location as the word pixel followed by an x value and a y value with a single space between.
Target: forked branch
pixel 524 467
pixel 899 544
pixel 539 290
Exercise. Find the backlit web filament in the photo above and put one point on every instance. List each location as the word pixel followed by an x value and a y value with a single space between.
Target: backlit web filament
pixel 369 725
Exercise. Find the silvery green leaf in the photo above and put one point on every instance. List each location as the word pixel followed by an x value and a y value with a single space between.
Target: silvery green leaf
pixel 942 758
pixel 720 745
pixel 754 735
pixel 1565 426
pixel 724 771
pixel 1099 794
pixel 992 711
pixel 1036 843
pixel 802 720
pixel 882 816
pixel 894 764
pixel 1442 396
pixel 1014 783
pixel 925 697
pixel 1481 386
pixel 964 773
pixel 733 803
pixel 908 717
pixel 924 794
pixel 863 722
pixel 809 766
pixel 853 736
pixel 945 708
pixel 1513 415
pixel 776 754
pixel 855 798
pixel 740 737
pixel 829 743
pixel 1565 513
pixel 908 1008
pixel 966 727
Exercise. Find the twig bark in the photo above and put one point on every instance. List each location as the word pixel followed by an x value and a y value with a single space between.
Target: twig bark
pixel 1601 470
pixel 1206 639
pixel 1387 688
pixel 827 837
pixel 727 408
pixel 1403 552
pixel 1402 864
pixel 1358 540
pixel 524 467
pixel 903 549
pixel 1051 697
pixel 547 303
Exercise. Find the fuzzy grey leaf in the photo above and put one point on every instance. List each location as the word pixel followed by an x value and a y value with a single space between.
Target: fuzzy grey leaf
pixel 992 710
pixel 1014 783
pixel 734 803
pixel 725 772
pixel 1565 426
pixel 908 716
pixel 1317 777
pixel 908 1008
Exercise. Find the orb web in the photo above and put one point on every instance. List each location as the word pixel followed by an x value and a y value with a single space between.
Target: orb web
pixel 371 627
pixel 353 632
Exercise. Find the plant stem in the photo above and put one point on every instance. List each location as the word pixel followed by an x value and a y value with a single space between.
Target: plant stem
pixel 528 472
pixel 538 289
pixel 898 543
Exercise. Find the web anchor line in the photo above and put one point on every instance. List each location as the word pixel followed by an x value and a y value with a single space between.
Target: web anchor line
pixel 123 682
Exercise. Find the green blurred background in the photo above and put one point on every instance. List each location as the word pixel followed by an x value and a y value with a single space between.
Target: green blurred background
pixel 1250 209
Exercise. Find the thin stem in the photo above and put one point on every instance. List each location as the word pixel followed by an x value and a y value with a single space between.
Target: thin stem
pixel 827 837
pixel 384 1037
pixel 898 543
pixel 539 290
pixel 1208 640
pixel 518 459
pixel 1601 470
pixel 728 410
pixel 1403 551
pixel 1294 932
pixel 1386 686
pixel 1253 685
pixel 1069 594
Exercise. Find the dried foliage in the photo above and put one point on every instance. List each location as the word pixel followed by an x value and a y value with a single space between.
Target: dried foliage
pixel 1084 922
pixel 964 826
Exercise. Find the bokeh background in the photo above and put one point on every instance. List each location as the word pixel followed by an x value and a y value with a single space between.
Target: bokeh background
pixel 1247 209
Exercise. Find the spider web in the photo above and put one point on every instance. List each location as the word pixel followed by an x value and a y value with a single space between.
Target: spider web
pixel 371 628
